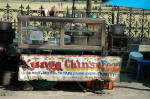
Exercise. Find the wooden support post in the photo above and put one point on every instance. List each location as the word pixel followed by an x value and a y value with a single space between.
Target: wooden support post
pixel 62 35
pixel 19 32
pixel 103 38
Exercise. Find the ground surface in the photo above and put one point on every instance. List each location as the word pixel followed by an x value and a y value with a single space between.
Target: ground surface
pixel 127 88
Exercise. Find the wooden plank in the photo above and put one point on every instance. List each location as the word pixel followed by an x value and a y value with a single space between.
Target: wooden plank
pixel 144 48
pixel 67 47
pixel 61 19
pixel 118 50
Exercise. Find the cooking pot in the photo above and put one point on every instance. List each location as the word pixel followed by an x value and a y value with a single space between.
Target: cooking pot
pixel 116 29
pixel 5 25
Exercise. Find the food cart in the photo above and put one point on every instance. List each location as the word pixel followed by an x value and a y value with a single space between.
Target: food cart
pixel 65 34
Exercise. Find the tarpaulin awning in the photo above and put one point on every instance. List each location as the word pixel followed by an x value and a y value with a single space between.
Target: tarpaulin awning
pixel 139 4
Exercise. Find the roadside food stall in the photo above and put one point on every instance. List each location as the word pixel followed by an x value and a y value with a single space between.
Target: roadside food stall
pixel 65 34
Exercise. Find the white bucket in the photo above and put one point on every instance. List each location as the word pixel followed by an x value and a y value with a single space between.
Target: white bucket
pixel 7 75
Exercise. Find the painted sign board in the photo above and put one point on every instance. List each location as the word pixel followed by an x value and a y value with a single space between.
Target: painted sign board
pixel 69 67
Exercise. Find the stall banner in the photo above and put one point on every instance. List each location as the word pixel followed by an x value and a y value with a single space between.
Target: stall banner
pixel 69 67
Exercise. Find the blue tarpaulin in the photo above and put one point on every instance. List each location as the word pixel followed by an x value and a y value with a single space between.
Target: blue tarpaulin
pixel 139 4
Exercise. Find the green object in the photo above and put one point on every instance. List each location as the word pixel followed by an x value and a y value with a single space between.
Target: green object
pixel 16 36
pixel 93 16
pixel 69 15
